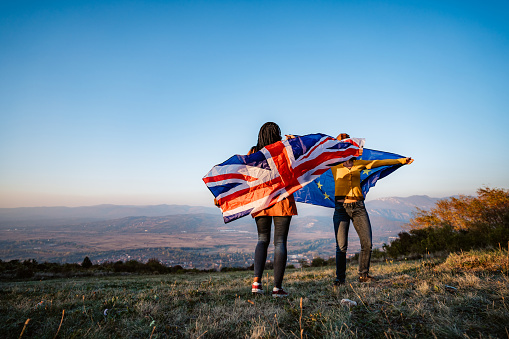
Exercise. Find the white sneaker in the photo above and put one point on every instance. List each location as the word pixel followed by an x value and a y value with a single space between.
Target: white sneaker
pixel 279 292
pixel 257 288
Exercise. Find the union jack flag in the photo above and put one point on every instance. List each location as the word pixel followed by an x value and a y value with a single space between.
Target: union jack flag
pixel 247 184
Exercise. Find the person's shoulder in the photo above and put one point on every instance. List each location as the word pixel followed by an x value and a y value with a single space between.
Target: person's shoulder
pixel 361 162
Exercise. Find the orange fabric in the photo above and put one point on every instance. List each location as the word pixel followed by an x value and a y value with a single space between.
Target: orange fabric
pixel 285 207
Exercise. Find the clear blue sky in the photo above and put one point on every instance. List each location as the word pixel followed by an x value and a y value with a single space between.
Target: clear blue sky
pixel 132 102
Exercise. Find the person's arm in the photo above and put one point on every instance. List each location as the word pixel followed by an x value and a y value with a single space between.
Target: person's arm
pixel 251 151
pixel 369 164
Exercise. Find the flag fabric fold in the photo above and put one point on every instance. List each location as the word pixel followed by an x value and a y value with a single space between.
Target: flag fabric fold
pixel 321 191
pixel 246 184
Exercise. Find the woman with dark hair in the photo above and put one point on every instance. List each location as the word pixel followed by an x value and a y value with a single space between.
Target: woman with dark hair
pixel 281 213
pixel 349 205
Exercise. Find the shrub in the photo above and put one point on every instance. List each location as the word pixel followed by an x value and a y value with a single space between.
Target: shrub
pixel 24 273
pixel 456 224
pixel 87 263
pixel 318 262
pixel 155 265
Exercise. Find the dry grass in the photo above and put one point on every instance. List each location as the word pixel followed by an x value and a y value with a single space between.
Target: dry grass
pixel 418 299
pixel 495 260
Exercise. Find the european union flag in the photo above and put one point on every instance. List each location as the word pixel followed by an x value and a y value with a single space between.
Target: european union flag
pixel 321 191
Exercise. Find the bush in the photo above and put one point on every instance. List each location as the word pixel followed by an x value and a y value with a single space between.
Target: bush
pixel 456 224
pixel 318 262
pixel 87 263
pixel 155 266
pixel 377 254
pixel 24 273
pixel 303 263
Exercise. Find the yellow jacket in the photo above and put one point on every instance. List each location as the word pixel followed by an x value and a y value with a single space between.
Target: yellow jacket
pixel 348 181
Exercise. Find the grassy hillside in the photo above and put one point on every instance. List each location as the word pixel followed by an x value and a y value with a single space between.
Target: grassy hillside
pixel 464 296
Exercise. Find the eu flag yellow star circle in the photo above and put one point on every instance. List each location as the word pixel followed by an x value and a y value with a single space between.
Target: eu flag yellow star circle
pixel 325 195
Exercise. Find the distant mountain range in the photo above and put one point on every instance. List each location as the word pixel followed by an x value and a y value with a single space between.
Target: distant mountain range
pixel 386 214
pixel 66 215
pixel 399 209
pixel 392 208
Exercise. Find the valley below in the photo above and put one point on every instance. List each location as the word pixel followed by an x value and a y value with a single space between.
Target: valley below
pixel 190 236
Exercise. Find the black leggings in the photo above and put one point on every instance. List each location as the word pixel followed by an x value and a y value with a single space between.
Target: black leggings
pixel 281 227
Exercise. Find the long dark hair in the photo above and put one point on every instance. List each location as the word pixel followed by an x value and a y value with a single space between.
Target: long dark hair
pixel 269 134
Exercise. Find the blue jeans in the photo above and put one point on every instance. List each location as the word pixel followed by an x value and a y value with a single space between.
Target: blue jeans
pixel 281 227
pixel 343 213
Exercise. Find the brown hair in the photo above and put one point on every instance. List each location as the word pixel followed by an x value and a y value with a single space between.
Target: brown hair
pixel 269 134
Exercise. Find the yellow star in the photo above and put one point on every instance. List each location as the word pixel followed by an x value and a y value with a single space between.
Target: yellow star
pixel 366 172
pixel 326 196
pixel 319 185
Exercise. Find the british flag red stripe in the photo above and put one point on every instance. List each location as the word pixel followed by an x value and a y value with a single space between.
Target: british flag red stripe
pixel 247 184
pixel 228 177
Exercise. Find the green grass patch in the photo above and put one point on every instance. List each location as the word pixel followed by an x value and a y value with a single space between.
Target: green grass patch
pixel 412 299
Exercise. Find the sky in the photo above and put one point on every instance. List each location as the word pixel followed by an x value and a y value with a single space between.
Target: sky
pixel 133 102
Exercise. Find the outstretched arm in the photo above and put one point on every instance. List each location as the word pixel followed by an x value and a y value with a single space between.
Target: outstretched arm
pixel 369 164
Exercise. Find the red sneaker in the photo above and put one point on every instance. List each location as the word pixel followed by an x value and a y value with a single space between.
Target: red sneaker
pixel 257 288
pixel 279 293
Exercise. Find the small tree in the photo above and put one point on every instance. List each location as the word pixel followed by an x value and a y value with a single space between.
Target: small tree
pixel 318 262
pixel 303 263
pixel 87 263
pixel 155 265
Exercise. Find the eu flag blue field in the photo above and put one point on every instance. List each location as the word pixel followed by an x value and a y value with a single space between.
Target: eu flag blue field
pixel 321 191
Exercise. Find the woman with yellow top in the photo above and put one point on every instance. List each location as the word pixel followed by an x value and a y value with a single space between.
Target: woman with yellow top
pixel 349 205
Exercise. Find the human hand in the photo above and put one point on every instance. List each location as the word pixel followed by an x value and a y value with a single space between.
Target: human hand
pixel 289 136
pixel 408 161
pixel 216 202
